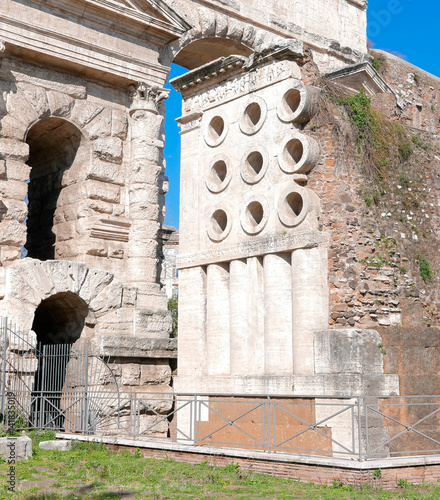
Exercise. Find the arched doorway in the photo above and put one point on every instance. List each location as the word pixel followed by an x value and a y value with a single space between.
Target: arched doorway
pixel 58 322
pixel 54 147
pixel 60 319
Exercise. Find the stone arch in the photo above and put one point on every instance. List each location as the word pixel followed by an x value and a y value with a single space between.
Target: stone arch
pixel 211 27
pixel 56 155
pixel 207 49
pixel 27 105
pixel 31 283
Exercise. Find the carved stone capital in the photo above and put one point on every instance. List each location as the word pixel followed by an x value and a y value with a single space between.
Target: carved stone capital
pixel 146 97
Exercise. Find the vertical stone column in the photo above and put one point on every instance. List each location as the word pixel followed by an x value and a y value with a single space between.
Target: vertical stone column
pixel 310 304
pixel 192 321
pixel 238 290
pixel 255 308
pixel 218 319
pixel 278 315
pixel 146 164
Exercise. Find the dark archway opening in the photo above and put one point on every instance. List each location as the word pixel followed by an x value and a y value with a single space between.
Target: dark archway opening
pixel 58 323
pixel 60 319
pixel 53 146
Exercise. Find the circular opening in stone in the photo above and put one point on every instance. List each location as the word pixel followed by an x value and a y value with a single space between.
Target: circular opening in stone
pixel 294 204
pixel 219 222
pixel 254 213
pixel 293 152
pixel 254 163
pixel 216 128
pixel 218 172
pixel 252 115
pixel 291 101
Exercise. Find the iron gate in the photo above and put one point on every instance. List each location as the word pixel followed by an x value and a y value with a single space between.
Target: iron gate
pixel 61 386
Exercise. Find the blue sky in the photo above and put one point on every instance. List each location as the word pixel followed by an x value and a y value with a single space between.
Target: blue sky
pixel 407 27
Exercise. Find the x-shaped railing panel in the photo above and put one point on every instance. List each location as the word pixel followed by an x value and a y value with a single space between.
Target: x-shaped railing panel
pixel 310 427
pixel 406 428
pixel 231 422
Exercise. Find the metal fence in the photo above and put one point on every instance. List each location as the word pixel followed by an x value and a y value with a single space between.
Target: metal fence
pixel 72 389
pixel 61 386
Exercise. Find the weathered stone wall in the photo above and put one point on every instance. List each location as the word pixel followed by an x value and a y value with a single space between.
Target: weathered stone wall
pixel 375 245
pixel 417 90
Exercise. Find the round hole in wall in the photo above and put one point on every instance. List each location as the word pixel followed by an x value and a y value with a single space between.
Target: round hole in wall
pixel 299 154
pixel 291 101
pixel 254 213
pixel 293 152
pixel 293 206
pixel 252 115
pixel 254 163
pixel 219 222
pixel 216 128
pixel 218 176
pixel 219 172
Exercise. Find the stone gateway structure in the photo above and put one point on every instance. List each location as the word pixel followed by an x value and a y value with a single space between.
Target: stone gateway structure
pixel 289 258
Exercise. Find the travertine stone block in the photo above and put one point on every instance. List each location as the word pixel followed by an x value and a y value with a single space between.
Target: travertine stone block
pixel 18 106
pixel 13 149
pixel 100 126
pixel 83 112
pixel 105 171
pixel 12 232
pixel 156 372
pixel 15 210
pixel 119 123
pixel 102 191
pixel 37 98
pixel 17 170
pixel 136 347
pixel 60 104
pixel 108 149
pixel 12 128
pixel 2 282
pixel 13 189
pixel 143 193
pixel 130 374
pixel 21 446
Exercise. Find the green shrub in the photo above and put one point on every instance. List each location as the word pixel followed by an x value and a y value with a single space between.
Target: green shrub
pixel 425 269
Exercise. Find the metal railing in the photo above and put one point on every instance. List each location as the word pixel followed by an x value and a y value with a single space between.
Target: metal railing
pixel 352 428
pixel 71 389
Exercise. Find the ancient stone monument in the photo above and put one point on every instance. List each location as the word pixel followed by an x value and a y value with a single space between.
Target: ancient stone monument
pixel 285 269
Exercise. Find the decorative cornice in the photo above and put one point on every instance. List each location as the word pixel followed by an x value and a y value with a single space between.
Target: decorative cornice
pixel 176 24
pixel 225 67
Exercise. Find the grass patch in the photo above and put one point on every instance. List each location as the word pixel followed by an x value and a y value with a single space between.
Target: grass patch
pixel 91 471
